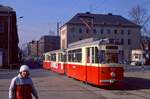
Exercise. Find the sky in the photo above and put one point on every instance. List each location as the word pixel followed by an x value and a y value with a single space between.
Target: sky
pixel 41 16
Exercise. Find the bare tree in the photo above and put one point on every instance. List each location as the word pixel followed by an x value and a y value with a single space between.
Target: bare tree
pixel 139 15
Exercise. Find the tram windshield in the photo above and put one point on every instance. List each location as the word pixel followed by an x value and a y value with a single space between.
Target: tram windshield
pixel 108 57
pixel 111 57
pixel 95 55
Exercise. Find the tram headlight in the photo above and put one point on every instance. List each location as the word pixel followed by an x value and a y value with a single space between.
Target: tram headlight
pixel 112 74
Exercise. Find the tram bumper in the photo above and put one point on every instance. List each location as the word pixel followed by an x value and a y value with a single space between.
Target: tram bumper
pixel 108 81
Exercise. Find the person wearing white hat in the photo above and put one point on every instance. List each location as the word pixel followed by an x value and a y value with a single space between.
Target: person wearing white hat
pixel 21 86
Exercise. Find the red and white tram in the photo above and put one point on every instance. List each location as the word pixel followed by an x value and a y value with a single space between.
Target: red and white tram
pixel 54 60
pixel 95 62
pixel 57 62
pixel 46 62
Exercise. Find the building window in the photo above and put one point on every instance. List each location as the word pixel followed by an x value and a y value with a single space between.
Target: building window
pixel 122 32
pixel 80 30
pixel 108 31
pixel 87 30
pixel 94 31
pixel 1 27
pixel 102 31
pixel 122 41
pixel 115 31
pixel 129 41
pixel 129 32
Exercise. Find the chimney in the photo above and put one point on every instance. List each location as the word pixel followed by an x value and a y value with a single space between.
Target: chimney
pixel 109 13
pixel 88 13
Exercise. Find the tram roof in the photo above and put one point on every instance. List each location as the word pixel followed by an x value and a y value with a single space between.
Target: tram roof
pixel 91 41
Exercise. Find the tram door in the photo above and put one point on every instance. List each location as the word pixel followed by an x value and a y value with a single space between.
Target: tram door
pixel 62 62
pixel 90 55
pixel 92 67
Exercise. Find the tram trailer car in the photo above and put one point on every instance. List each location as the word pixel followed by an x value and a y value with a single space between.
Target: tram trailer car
pixel 57 63
pixel 54 60
pixel 95 62
pixel 46 61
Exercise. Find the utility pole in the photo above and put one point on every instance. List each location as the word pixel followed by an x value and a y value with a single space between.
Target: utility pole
pixel 88 22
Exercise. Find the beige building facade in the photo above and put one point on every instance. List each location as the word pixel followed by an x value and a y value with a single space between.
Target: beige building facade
pixel 115 27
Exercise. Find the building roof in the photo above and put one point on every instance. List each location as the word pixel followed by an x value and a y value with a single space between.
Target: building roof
pixel 50 36
pixel 5 8
pixel 102 19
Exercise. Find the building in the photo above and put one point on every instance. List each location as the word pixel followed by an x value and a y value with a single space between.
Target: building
pixel 145 46
pixel 137 57
pixel 33 48
pixel 8 37
pixel 45 44
pixel 115 27
pixel 48 43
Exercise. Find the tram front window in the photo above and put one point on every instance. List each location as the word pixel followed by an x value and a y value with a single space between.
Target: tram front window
pixel 105 57
pixel 111 57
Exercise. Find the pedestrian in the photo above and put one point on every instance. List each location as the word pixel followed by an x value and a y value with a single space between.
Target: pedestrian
pixel 21 86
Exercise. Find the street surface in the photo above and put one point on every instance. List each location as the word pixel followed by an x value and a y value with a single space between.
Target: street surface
pixel 50 85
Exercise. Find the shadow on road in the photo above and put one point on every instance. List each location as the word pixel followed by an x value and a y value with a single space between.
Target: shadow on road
pixel 130 83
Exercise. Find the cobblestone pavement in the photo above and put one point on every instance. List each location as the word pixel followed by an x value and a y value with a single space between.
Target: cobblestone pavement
pixel 50 85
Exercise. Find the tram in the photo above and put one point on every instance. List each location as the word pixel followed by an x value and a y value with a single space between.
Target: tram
pixel 96 62
pixel 46 61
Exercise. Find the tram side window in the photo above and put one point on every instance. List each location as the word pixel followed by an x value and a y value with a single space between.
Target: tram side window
pixel 59 57
pixel 78 55
pixel 44 57
pixel 102 56
pixel 70 56
pixel 53 57
pixel 88 55
pixel 92 55
pixel 96 55
pixel 75 56
pixel 63 57
pixel 47 57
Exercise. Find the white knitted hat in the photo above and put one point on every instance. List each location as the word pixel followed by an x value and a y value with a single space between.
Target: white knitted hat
pixel 24 68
